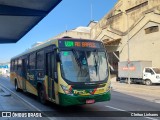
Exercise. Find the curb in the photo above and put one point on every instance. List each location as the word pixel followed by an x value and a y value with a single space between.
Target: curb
pixel 8 92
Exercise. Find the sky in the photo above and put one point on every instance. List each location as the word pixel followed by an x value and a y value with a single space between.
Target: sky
pixel 69 14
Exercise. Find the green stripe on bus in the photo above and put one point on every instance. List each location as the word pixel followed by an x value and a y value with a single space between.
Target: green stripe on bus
pixel 66 100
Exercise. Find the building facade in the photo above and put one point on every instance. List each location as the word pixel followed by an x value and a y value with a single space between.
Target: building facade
pixel 130 31
pixel 79 32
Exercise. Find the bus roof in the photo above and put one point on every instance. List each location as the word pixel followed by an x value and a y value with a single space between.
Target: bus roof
pixel 47 43
pixel 37 47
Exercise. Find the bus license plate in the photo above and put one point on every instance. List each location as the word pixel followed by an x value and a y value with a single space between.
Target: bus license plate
pixel 90 101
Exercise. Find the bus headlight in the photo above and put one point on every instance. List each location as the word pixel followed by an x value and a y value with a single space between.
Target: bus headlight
pixel 66 90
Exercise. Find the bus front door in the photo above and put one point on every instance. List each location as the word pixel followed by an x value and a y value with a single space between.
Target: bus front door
pixel 50 74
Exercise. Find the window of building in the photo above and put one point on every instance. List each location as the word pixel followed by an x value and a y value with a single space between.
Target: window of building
pixel 151 29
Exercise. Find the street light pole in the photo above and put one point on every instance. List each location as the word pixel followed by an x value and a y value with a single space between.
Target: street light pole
pixel 129 81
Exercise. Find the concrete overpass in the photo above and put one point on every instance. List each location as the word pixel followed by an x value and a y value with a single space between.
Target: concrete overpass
pixel 18 17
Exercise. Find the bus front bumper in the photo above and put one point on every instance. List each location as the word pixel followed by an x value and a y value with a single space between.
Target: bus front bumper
pixel 67 100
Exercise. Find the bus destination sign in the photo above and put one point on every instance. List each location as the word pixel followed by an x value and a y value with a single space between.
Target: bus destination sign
pixel 79 43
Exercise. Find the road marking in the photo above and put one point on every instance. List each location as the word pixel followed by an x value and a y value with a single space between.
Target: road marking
pixel 50 118
pixel 115 108
pixel 156 100
pixel 151 118
pixel 128 112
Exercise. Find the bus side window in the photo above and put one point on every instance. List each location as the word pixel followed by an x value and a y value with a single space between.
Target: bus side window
pixel 40 59
pixel 40 63
pixel 50 64
pixel 15 65
pixel 12 65
pixel 32 60
pixel 19 64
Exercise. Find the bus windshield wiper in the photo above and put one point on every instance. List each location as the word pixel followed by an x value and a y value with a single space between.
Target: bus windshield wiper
pixel 76 58
pixel 96 60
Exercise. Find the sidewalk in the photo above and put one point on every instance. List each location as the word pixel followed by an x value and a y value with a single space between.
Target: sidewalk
pixel 11 106
pixel 151 93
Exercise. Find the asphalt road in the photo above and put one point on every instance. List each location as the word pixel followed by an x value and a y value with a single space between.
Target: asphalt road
pixel 119 105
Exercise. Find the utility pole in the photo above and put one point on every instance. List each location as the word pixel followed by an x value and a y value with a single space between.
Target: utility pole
pixel 128 45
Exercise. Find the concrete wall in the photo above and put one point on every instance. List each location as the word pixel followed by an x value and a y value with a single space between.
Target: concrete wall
pixel 127 21
pixel 142 46
pixel 133 17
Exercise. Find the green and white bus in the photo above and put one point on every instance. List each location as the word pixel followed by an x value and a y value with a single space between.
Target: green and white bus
pixel 65 71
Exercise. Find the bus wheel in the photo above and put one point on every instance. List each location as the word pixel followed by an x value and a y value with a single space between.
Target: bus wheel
pixel 16 86
pixel 41 95
pixel 148 82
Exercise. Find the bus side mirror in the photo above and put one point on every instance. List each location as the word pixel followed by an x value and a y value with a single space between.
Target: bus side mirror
pixel 58 57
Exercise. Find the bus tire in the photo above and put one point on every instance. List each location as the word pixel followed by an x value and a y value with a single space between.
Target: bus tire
pixel 41 95
pixel 16 86
pixel 148 82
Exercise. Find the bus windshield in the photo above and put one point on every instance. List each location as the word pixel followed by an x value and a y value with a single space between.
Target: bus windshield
pixel 84 66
